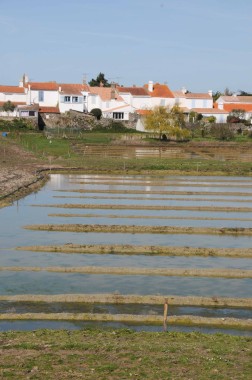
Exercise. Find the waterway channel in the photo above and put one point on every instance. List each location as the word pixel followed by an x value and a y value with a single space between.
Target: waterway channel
pixel 133 195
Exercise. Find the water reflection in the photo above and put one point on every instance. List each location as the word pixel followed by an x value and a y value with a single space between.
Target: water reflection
pixel 99 189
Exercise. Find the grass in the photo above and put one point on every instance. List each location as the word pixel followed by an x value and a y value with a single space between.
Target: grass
pixel 60 151
pixel 123 354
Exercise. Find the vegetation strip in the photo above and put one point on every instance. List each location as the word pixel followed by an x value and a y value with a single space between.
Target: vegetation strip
pixel 114 216
pixel 139 207
pixel 116 298
pixel 157 184
pixel 188 272
pixel 139 229
pixel 140 250
pixel 186 320
pixel 113 354
pixel 163 192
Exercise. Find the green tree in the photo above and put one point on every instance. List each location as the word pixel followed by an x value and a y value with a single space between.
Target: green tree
pixel 162 120
pixel 8 106
pixel 96 112
pixel 216 95
pixel 99 81
pixel 244 93
pixel 194 117
pixel 211 119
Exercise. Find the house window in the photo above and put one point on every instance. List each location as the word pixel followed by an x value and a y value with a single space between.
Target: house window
pixel 41 96
pixel 24 113
pixel 32 113
pixel 67 99
pixel 118 115
pixel 84 98
pixel 75 99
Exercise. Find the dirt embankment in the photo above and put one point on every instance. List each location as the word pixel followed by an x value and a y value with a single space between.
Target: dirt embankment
pixel 20 172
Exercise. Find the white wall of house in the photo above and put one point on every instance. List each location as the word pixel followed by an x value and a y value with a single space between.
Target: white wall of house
pixel 141 102
pixel 164 102
pixel 43 98
pixel 198 103
pixel 127 97
pixel 15 113
pixel 118 113
pixel 12 97
pixel 94 101
pixel 71 102
pixel 140 125
pixel 220 117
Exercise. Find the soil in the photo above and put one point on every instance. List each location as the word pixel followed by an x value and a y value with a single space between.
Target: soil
pixel 20 172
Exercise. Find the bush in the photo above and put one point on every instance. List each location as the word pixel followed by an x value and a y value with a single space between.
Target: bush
pixel 222 131
pixel 96 112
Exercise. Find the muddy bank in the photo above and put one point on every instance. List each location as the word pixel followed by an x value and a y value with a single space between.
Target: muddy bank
pixel 116 298
pixel 20 173
pixel 139 229
pixel 178 272
pixel 138 207
pixel 140 250
pixel 186 320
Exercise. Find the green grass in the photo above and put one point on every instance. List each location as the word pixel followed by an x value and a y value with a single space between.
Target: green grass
pixel 63 152
pixel 123 354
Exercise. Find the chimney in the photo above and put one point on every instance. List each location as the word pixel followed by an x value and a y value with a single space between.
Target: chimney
pixel 210 92
pixel 101 84
pixel 150 86
pixel 113 90
pixel 184 90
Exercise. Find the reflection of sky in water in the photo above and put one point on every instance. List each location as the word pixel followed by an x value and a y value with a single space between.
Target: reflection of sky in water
pixel 77 325
pixel 22 213
pixel 72 283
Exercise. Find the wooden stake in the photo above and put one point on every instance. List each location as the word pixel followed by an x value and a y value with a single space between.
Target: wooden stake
pixel 165 314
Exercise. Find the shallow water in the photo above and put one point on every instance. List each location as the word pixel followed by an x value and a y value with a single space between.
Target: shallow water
pixel 23 212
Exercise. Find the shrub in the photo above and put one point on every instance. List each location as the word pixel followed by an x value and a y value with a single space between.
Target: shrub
pixel 96 112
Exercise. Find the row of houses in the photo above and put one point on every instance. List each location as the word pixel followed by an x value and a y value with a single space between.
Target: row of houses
pixel 116 102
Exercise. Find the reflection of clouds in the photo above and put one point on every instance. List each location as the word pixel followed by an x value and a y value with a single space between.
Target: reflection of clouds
pixel 58 181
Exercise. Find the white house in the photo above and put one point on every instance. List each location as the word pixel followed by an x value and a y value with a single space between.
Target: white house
pixel 110 101
pixel 235 102
pixel 72 97
pixel 191 100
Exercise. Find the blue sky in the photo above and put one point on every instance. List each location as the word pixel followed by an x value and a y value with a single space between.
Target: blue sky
pixel 199 44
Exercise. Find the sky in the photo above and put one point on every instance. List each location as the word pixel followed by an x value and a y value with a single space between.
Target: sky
pixel 198 44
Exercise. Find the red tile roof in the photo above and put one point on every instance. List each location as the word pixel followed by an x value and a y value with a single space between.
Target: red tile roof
pixel 241 106
pixel 160 91
pixel 135 91
pixel 104 93
pixel 209 110
pixel 236 99
pixel 43 86
pixel 191 95
pixel 12 89
pixel 116 108
pixel 49 109
pixel 143 112
pixel 73 89
pixel 26 107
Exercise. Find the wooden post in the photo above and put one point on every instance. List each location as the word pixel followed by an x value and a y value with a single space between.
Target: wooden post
pixel 165 314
